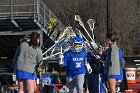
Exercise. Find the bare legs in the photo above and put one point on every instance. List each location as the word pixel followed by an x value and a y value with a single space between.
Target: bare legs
pixel 112 85
pixel 30 86
pixel 27 86
pixel 22 87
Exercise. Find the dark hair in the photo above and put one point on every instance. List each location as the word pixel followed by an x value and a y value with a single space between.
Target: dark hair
pixel 33 39
pixel 112 37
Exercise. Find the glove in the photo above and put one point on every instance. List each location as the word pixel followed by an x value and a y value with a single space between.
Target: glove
pixel 97 56
pixel 61 56
pixel 39 69
pixel 89 69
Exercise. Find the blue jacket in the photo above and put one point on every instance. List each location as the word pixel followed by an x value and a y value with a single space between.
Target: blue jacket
pixel 120 54
pixel 120 76
pixel 112 62
pixel 95 64
pixel 75 63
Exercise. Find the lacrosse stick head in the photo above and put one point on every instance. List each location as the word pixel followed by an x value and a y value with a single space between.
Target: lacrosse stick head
pixel 64 32
pixel 91 23
pixel 78 19
pixel 72 33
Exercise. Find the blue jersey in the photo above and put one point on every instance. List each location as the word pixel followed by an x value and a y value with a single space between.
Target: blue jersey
pixel 75 63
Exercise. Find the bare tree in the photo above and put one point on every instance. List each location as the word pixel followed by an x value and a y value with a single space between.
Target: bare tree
pixel 124 15
pixel 124 19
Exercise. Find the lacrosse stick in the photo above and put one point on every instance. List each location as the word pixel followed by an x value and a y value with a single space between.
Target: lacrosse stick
pixel 68 31
pixel 52 51
pixel 61 56
pixel 72 33
pixel 91 23
pixel 77 18
pixel 56 43
pixel 61 38
pixel 45 58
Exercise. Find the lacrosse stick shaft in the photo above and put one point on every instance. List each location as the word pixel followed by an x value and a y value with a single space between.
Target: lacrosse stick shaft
pixel 83 36
pixel 63 33
pixel 51 55
pixel 59 40
pixel 88 40
pixel 92 33
pixel 91 52
pixel 88 33
pixel 77 18
pixel 49 49
pixel 61 57
pixel 52 50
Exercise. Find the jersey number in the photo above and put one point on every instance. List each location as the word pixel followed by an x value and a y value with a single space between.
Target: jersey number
pixel 78 65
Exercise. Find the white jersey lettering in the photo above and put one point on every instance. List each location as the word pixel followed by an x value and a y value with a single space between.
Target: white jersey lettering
pixel 78 65
pixel 77 59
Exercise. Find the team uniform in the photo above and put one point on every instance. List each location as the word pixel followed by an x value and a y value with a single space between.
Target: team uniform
pixel 74 61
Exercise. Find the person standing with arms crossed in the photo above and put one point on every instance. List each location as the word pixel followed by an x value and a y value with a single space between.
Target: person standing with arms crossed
pixel 75 62
pixel 28 57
